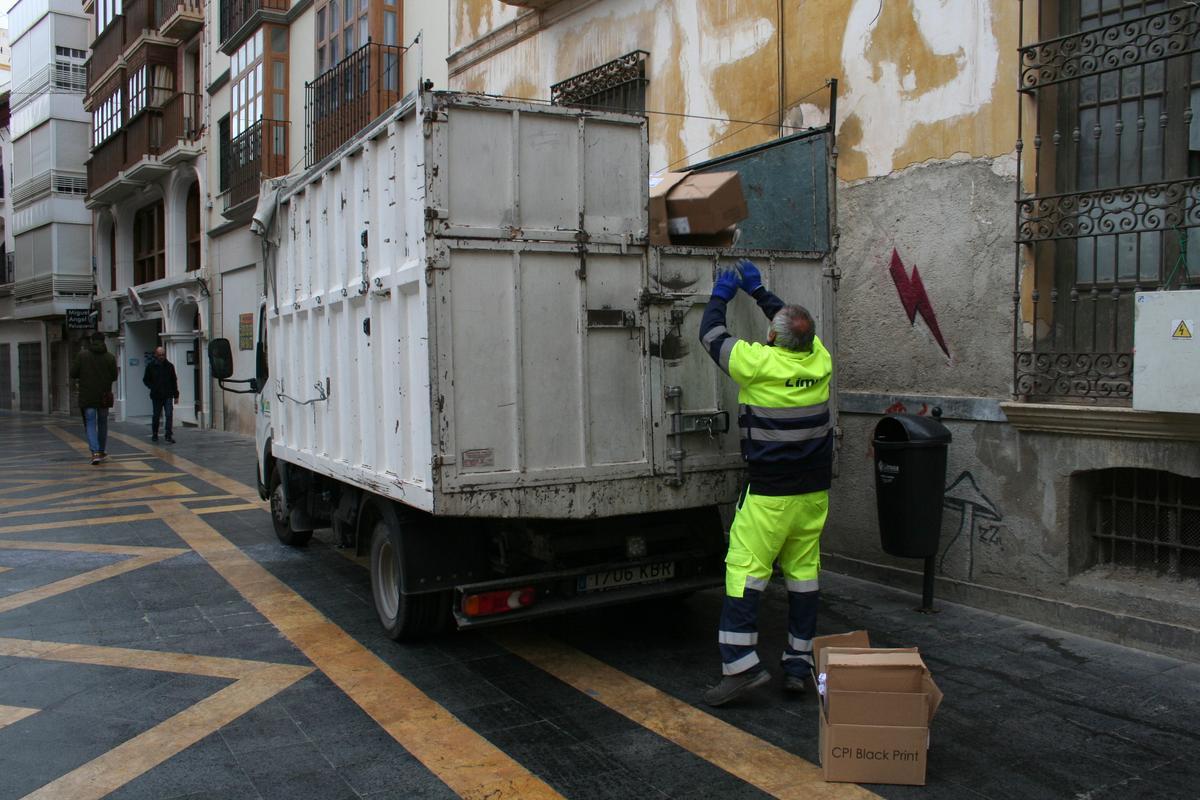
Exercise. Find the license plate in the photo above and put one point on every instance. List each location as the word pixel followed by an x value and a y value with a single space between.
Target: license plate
pixel 627 576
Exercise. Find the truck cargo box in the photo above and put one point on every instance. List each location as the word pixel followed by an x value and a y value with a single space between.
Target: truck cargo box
pixel 466 293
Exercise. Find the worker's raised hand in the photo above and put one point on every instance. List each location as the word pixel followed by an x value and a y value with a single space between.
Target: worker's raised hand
pixel 750 278
pixel 726 285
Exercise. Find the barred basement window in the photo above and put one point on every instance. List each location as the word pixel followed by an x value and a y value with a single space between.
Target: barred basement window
pixel 1146 519
pixel 619 85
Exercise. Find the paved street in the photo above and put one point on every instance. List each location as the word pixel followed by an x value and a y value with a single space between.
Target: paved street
pixel 157 642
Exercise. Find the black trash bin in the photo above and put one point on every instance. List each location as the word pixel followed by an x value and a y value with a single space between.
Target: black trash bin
pixel 910 481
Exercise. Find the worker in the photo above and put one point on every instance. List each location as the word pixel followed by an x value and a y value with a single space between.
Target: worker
pixel 787 441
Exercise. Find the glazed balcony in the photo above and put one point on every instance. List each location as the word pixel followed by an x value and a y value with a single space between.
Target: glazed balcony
pixel 106 50
pixel 180 19
pixel 348 97
pixel 241 17
pixel 182 128
pixel 259 152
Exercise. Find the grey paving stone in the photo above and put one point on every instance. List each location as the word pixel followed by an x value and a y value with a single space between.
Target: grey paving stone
pixel 265 727
pixel 294 772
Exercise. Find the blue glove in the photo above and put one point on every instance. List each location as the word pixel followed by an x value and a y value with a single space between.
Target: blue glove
pixel 751 278
pixel 726 285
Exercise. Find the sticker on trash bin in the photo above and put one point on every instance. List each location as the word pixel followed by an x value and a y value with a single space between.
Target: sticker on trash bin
pixel 1182 328
pixel 888 472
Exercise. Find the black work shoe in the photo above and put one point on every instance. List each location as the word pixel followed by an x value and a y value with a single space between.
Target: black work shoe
pixel 170 439
pixel 732 687
pixel 793 684
pixel 154 438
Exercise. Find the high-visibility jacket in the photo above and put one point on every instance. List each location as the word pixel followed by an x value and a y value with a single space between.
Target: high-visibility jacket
pixel 784 416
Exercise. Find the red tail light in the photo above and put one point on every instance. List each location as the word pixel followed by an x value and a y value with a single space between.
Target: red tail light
pixel 501 602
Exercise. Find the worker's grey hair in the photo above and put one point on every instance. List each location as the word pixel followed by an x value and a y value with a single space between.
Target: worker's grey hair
pixel 794 329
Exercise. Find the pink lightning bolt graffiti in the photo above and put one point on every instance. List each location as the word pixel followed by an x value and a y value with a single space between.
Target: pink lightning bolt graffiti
pixel 914 299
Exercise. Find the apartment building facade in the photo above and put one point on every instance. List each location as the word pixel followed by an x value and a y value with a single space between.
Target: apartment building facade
pixel 1063 504
pixel 290 82
pixel 51 271
pixel 147 180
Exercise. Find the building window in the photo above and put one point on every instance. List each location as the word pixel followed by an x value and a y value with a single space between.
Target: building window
pixel 1115 201
pixel 1145 519
pixel 224 155
pixel 149 247
pixel 247 71
pixel 193 228
pixel 70 70
pixel 344 25
pixel 619 85
pixel 106 11
pixel 106 119
pixel 150 84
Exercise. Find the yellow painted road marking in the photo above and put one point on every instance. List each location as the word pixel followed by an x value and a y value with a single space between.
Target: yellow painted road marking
pixel 77 444
pixel 11 714
pixel 236 488
pixel 38 527
pixel 82 505
pixel 98 490
pixel 761 764
pixel 222 509
pixel 141 557
pixel 255 682
pixel 465 761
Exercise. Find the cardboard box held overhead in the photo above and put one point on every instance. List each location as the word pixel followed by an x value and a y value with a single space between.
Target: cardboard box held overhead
pixel 876 708
pixel 696 208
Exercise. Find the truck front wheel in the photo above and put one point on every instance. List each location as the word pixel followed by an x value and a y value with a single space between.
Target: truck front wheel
pixel 402 616
pixel 280 513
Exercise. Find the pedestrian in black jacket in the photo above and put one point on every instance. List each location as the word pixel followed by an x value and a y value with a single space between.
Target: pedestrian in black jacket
pixel 164 391
pixel 96 369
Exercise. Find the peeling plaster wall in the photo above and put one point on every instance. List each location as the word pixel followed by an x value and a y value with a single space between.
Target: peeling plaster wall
pixel 920 79
pixel 952 221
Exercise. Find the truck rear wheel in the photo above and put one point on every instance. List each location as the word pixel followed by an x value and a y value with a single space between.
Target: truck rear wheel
pixel 280 514
pixel 402 616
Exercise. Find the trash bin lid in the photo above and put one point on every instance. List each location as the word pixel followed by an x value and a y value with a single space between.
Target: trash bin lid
pixel 910 430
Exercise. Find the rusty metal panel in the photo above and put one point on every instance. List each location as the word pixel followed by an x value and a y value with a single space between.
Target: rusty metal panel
pixel 786 183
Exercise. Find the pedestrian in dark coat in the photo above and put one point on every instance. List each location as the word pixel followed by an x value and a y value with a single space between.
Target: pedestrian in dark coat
pixel 95 368
pixel 164 392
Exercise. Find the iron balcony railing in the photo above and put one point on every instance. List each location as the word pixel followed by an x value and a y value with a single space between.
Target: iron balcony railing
pixel 349 96
pixel 1108 198
pixel 257 153
pixel 236 13
pixel 619 85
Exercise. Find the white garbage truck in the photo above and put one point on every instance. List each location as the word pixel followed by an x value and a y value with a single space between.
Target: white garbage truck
pixel 475 370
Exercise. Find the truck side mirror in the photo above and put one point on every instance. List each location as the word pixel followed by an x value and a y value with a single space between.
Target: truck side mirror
pixel 220 359
pixel 261 370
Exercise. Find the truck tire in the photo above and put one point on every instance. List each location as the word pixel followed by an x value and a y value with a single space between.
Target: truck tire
pixel 402 616
pixel 279 519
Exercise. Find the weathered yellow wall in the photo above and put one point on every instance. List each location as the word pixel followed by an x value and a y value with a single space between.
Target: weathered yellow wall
pixel 920 79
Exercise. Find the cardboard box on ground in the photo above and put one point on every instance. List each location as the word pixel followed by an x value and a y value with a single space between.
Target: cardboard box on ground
pixel 693 208
pixel 875 708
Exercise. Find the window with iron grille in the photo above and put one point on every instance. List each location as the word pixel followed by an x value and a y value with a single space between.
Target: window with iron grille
pixel 1115 201
pixel 619 85
pixel 1146 519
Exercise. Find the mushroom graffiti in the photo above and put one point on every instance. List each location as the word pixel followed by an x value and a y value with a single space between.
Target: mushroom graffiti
pixel 965 496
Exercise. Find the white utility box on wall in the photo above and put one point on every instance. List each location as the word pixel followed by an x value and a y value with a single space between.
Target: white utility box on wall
pixel 1166 357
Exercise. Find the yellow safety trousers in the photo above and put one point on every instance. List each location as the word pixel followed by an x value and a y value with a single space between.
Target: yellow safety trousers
pixel 767 527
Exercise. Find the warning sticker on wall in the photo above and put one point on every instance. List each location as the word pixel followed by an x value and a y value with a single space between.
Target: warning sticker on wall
pixel 1182 328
